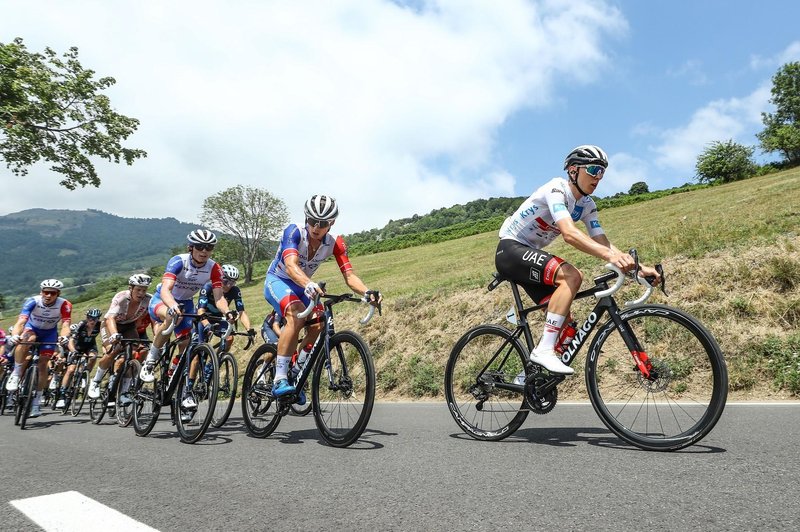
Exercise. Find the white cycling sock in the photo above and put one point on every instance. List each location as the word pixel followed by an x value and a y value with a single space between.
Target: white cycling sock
pixel 99 375
pixel 282 364
pixel 17 369
pixel 153 354
pixel 552 327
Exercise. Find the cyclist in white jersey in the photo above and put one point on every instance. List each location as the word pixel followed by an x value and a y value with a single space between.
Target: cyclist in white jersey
pixel 289 285
pixel 38 322
pixel 126 308
pixel 184 276
pixel 550 211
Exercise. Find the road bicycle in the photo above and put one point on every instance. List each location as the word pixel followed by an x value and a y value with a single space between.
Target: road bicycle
pixel 172 376
pixel 115 395
pixel 343 386
pixel 655 375
pixel 228 375
pixel 75 391
pixel 6 367
pixel 28 385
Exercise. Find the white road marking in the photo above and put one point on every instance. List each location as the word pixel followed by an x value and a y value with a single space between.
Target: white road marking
pixel 72 511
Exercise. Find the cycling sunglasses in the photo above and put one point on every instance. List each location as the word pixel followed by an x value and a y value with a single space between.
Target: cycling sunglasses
pixel 322 224
pixel 50 293
pixel 204 247
pixel 594 170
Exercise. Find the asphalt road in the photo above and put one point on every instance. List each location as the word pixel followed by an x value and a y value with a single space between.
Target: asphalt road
pixel 414 470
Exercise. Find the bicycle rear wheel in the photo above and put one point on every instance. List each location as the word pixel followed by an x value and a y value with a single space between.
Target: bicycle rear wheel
pixel 343 394
pixel 80 381
pixel 482 362
pixel 259 408
pixel 226 390
pixel 684 397
pixel 31 385
pixel 192 424
pixel 147 401
pixel 128 379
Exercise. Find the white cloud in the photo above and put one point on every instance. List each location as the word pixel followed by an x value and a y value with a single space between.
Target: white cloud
pixel 391 109
pixel 789 54
pixel 719 120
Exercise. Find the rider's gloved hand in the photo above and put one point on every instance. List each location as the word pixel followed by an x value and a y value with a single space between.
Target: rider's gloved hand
pixel 114 338
pixel 312 289
pixel 174 310
pixel 374 298
pixel 63 340
pixel 13 340
pixel 251 332
pixel 231 315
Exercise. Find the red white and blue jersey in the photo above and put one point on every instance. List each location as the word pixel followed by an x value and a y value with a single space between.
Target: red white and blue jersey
pixel 295 242
pixel 44 317
pixel 534 222
pixel 189 277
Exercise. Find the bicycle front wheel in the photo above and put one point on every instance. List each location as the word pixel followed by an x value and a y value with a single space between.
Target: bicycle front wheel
pixel 147 400
pixel 344 391
pixel 259 407
pixel 482 364
pixel 80 380
pixel 226 389
pixel 685 394
pixel 98 407
pixel 125 404
pixel 30 386
pixel 192 423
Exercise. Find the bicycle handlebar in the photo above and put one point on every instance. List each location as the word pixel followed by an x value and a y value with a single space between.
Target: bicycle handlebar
pixel 314 302
pixel 619 282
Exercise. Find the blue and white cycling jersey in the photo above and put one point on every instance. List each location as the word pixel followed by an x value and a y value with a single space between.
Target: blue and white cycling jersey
pixel 44 317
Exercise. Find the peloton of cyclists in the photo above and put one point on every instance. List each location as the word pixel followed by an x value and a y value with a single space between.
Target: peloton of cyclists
pixel 82 342
pixel 232 294
pixel 120 321
pixel 184 276
pixel 288 286
pixel 38 322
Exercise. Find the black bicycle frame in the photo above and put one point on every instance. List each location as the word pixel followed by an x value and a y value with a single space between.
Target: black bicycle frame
pixel 583 333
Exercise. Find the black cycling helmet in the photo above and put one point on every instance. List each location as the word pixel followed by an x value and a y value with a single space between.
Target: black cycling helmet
pixel 586 154
pixel 94 314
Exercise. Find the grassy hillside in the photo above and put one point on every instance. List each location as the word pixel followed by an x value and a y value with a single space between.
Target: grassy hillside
pixel 731 253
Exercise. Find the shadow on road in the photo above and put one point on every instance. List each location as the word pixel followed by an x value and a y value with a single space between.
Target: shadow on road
pixel 572 436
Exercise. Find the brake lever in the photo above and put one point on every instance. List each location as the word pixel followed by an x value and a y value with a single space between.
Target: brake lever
pixel 660 270
pixel 632 252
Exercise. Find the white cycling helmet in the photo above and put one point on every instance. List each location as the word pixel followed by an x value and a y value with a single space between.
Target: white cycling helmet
pixel 201 236
pixel 139 279
pixel 321 207
pixel 230 271
pixel 54 284
pixel 586 154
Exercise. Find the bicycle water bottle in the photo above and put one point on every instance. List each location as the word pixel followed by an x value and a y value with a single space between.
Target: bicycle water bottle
pixel 111 381
pixel 566 336
pixel 207 370
pixel 173 365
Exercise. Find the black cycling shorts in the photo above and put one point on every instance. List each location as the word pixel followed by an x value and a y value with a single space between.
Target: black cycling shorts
pixel 533 269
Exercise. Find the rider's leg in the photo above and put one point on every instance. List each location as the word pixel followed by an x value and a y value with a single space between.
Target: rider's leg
pixel 287 343
pixel 568 282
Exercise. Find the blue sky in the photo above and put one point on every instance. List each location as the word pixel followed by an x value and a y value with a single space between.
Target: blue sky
pixel 398 108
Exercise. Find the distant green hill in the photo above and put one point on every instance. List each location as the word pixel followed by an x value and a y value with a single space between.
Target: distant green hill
pixel 79 247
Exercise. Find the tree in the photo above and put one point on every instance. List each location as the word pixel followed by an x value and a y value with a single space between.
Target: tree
pixel 250 216
pixel 725 162
pixel 51 109
pixel 638 188
pixel 782 128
